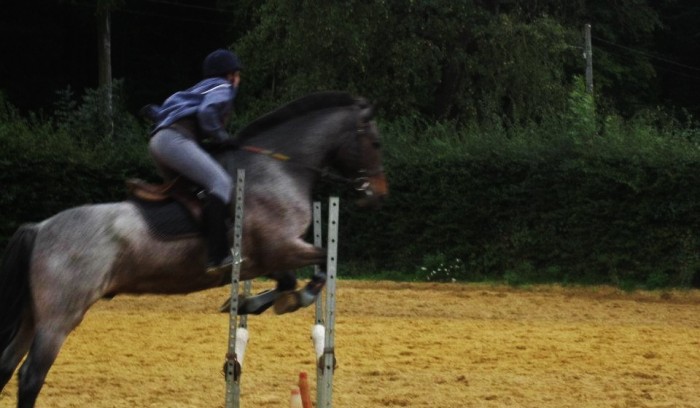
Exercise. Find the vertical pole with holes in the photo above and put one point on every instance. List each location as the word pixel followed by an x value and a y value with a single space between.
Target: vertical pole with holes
pixel 233 367
pixel 318 328
pixel 328 358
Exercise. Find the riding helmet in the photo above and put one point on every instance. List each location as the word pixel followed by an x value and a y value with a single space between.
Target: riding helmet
pixel 220 63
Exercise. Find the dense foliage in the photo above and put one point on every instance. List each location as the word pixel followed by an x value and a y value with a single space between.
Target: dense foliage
pixel 465 60
pixel 49 163
pixel 552 202
pixel 565 200
pixel 491 60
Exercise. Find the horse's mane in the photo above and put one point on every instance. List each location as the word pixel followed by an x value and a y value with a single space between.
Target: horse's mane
pixel 296 108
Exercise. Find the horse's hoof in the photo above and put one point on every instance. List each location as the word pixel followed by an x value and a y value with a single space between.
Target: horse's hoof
pixel 288 302
pixel 308 295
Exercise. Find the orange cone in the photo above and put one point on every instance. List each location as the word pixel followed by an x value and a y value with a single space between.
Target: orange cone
pixel 304 389
pixel 295 399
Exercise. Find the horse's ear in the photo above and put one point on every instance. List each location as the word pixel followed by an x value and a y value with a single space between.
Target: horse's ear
pixel 366 109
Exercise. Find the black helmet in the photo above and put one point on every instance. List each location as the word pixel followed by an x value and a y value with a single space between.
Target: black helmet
pixel 220 63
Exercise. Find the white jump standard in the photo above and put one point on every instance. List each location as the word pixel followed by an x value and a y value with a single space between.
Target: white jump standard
pixel 323 332
pixel 324 337
pixel 233 365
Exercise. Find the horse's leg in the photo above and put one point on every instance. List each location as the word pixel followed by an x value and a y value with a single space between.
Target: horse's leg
pixel 12 355
pixel 57 309
pixel 291 300
pixel 42 354
pixel 256 304
pixel 293 254
pixel 284 297
pixel 285 256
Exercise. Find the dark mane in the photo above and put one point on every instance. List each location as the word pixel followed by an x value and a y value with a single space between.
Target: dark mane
pixel 296 108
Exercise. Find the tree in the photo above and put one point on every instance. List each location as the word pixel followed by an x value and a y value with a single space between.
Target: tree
pixel 438 59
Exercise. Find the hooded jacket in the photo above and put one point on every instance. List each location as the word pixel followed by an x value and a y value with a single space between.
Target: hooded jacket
pixel 210 102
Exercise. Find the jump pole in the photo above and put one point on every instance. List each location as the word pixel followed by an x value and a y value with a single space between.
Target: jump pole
pixel 325 336
pixel 233 365
pixel 323 332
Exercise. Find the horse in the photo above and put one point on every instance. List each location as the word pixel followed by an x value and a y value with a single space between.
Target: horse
pixel 53 271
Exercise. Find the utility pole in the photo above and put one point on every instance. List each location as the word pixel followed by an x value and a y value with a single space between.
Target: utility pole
pixel 588 53
pixel 104 63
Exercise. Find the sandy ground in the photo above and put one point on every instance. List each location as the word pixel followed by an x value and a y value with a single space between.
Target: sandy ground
pixel 398 345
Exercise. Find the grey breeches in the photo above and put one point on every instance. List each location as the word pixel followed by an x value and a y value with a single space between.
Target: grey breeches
pixel 177 152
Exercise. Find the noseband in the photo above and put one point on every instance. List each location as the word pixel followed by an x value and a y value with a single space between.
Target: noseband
pixel 361 182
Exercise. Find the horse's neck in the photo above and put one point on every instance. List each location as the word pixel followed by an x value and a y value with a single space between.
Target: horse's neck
pixel 309 140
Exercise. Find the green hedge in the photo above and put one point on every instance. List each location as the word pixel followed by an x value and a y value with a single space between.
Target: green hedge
pixel 47 167
pixel 565 220
pixel 540 204
pixel 35 189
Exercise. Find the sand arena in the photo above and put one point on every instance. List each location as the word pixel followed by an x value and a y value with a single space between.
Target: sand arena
pixel 398 345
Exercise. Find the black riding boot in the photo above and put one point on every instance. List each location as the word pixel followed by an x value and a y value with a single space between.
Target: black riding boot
pixel 218 247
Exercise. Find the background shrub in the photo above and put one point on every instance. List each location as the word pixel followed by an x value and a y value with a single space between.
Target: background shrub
pixel 603 201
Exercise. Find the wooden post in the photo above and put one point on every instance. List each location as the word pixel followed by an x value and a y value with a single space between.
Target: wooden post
pixel 588 53
pixel 104 62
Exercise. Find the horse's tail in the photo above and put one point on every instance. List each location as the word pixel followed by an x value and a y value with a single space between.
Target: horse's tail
pixel 14 282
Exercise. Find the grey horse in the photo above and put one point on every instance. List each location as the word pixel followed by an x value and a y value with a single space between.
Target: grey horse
pixel 55 270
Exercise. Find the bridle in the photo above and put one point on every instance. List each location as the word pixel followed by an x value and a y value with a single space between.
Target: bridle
pixel 360 183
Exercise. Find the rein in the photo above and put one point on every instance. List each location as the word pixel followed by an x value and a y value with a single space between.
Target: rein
pixel 284 158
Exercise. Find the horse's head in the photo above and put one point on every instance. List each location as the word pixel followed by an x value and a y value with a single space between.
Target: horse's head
pixel 328 130
pixel 360 158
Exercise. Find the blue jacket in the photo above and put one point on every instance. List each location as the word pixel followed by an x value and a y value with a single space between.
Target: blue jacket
pixel 210 101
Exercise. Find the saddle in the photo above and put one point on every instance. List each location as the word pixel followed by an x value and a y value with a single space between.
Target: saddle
pixel 172 210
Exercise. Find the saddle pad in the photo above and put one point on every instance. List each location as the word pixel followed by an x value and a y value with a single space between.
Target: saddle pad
pixel 168 220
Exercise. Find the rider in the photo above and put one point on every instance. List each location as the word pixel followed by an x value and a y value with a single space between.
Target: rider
pixel 188 117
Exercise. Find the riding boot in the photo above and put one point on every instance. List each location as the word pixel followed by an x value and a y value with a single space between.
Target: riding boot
pixel 218 247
